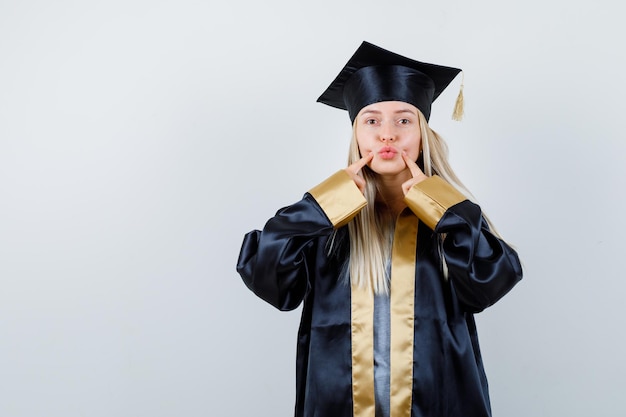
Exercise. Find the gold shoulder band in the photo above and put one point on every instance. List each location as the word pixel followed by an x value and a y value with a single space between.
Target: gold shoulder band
pixel 362 325
pixel 403 313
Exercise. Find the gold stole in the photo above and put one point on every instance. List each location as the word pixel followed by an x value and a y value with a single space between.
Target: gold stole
pixel 402 332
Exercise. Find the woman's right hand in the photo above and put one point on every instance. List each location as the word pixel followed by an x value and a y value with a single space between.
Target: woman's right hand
pixel 354 170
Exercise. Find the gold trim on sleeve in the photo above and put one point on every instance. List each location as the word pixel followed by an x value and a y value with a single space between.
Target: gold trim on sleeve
pixel 362 325
pixel 430 199
pixel 339 197
pixel 402 314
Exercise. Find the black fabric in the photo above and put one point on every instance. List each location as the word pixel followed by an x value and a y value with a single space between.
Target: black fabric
pixel 388 83
pixel 374 74
pixel 288 262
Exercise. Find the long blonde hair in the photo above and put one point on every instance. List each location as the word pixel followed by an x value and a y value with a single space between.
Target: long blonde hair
pixel 371 231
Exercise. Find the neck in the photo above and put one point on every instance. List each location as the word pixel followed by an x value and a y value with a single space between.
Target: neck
pixel 390 191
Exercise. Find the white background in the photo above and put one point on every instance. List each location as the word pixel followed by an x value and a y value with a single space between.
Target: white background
pixel 139 141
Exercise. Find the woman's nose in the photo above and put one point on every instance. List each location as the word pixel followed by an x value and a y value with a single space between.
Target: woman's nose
pixel 387 134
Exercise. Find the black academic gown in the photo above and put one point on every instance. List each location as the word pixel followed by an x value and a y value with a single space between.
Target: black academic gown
pixel 288 263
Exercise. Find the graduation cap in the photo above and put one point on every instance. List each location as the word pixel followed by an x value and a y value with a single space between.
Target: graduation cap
pixel 374 74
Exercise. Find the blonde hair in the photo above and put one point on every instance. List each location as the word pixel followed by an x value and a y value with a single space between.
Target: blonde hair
pixel 371 231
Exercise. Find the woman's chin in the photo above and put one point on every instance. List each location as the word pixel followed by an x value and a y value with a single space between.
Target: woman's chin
pixel 388 169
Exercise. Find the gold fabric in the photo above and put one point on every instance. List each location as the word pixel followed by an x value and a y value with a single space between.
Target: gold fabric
pixel 430 199
pixel 362 307
pixel 402 313
pixel 402 310
pixel 427 200
pixel 339 210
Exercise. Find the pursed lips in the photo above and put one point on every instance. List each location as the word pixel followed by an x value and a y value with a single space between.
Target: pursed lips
pixel 387 152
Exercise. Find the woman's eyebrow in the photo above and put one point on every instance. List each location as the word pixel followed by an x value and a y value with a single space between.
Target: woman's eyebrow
pixel 370 111
pixel 401 111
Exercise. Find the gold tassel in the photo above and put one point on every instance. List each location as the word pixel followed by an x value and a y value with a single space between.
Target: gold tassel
pixel 459 105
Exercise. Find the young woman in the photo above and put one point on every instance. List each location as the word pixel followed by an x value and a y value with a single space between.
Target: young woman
pixel 390 259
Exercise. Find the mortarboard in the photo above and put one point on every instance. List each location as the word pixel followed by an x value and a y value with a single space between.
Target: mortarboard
pixel 374 74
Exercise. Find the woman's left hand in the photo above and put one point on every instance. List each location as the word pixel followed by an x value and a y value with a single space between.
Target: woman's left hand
pixel 417 175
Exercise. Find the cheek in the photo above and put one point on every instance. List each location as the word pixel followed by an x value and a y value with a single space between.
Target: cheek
pixel 413 149
pixel 363 146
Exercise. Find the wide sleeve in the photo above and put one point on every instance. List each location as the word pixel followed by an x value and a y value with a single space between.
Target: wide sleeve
pixel 276 263
pixel 481 266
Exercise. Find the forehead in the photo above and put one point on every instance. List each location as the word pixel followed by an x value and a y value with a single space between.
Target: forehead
pixel 389 107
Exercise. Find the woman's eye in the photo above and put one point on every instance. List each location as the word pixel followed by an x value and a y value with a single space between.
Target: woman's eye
pixel 370 121
pixel 404 121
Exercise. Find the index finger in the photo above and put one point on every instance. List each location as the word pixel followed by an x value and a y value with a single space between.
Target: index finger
pixel 412 165
pixel 356 167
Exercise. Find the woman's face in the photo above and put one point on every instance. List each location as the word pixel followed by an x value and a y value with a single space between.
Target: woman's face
pixel 388 128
